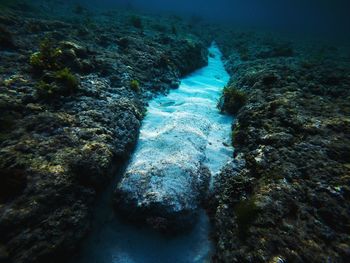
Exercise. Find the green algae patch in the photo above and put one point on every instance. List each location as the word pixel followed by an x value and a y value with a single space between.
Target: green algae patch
pixel 246 212
pixel 135 85
pixel 60 83
pixel 56 79
pixel 47 57
pixel 232 100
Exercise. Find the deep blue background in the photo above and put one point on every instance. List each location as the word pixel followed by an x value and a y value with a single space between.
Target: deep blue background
pixel 326 16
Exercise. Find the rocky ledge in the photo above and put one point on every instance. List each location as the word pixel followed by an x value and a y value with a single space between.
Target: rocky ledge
pixel 287 197
pixel 73 91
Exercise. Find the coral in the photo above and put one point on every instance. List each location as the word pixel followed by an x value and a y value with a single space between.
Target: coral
pixel 243 53
pixel 193 56
pixel 8 4
pixel 56 79
pixel 269 79
pixel 291 139
pixel 70 146
pixel 18 5
pixel 135 85
pixel 277 50
pixel 232 100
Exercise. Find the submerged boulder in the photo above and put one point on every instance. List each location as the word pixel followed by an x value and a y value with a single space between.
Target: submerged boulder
pixel 165 195
pixel 166 180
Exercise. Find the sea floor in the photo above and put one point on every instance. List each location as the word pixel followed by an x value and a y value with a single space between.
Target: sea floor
pixel 114 240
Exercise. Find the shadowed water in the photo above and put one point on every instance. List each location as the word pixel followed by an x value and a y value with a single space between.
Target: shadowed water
pixel 118 242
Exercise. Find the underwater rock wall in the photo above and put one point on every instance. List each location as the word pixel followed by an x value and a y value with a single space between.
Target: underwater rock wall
pixel 72 96
pixel 287 199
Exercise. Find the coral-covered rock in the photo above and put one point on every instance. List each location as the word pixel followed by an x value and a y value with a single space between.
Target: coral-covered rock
pixel 189 55
pixel 290 201
pixel 58 155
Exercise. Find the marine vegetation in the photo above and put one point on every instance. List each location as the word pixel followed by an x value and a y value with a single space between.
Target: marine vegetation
pixel 232 100
pixel 59 83
pixel 47 56
pixel 135 85
pixel 55 78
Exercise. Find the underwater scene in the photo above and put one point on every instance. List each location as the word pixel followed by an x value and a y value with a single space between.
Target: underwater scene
pixel 149 131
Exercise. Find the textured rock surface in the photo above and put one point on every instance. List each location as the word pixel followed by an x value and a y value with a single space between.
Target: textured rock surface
pixel 289 199
pixel 57 155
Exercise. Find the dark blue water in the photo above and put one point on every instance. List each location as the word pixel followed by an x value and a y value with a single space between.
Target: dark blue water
pixel 324 17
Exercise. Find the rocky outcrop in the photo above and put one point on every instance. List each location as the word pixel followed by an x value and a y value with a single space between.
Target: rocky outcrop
pixel 193 56
pixel 58 154
pixel 288 201
pixel 165 195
